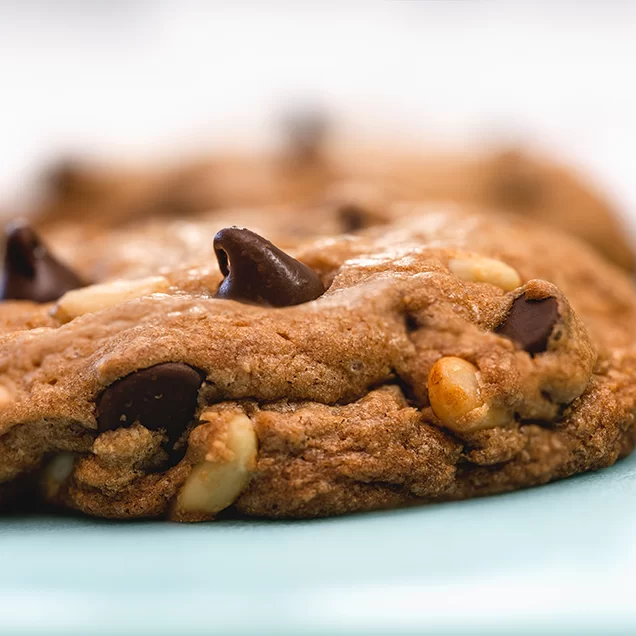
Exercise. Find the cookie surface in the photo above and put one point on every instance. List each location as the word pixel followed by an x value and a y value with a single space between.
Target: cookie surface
pixel 446 353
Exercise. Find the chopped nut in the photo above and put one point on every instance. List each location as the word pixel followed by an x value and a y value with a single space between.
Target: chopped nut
pixel 57 471
pixel 96 297
pixel 455 396
pixel 215 485
pixel 479 269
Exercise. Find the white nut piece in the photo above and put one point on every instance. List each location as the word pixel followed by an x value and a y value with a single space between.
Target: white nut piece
pixel 479 269
pixel 215 485
pixel 455 396
pixel 87 300
pixel 57 471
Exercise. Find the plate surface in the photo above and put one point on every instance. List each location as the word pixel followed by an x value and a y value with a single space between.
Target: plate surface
pixel 556 559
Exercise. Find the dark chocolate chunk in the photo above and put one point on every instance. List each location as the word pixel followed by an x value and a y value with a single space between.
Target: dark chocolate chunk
pixel 162 397
pixel 530 322
pixel 31 272
pixel 258 272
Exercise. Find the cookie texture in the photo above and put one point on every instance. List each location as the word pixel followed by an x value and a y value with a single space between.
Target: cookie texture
pixel 447 352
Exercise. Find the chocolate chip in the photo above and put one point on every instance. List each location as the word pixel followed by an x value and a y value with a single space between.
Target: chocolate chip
pixel 31 272
pixel 352 217
pixel 530 322
pixel 258 272
pixel 162 397
pixel 183 194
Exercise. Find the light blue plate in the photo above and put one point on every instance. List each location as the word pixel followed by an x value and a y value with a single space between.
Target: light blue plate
pixel 556 559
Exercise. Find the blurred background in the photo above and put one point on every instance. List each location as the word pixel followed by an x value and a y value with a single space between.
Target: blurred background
pixel 148 80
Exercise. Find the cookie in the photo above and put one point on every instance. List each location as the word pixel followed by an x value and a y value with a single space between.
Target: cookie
pixel 449 353
pixel 513 181
pixel 348 179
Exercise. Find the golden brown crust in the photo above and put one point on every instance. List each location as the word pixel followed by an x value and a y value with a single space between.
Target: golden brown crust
pixel 336 389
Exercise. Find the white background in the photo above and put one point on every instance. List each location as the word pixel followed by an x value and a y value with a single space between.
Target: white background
pixel 141 79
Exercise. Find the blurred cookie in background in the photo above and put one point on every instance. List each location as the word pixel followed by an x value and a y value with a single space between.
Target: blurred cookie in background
pixel 314 169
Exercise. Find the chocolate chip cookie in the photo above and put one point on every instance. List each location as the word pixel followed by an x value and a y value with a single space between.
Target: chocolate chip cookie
pixel 447 353
pixel 348 179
